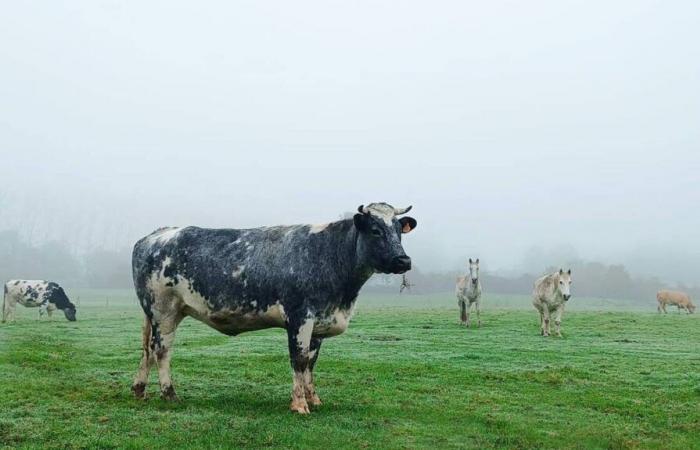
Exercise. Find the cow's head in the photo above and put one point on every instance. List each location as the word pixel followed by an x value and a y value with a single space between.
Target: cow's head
pixel 379 240
pixel 69 311
pixel 474 270
pixel 565 284
pixel 58 297
pixel 691 308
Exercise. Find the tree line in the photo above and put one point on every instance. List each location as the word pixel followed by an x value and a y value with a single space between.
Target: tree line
pixel 590 279
pixel 101 268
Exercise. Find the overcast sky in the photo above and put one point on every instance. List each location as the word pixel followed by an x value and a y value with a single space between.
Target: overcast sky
pixel 508 125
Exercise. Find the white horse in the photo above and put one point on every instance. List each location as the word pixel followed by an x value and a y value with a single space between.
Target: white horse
pixel 469 293
pixel 550 295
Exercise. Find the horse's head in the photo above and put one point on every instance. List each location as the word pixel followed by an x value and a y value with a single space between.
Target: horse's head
pixel 474 270
pixel 565 284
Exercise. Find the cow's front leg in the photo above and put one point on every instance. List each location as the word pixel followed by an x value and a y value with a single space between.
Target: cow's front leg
pixel 43 309
pixel 310 390
pixel 299 338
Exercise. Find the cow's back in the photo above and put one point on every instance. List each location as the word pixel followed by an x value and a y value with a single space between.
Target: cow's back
pixel 248 269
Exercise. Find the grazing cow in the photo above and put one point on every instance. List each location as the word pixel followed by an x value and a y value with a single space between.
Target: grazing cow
pixel 680 299
pixel 469 293
pixel 550 295
pixel 46 295
pixel 304 278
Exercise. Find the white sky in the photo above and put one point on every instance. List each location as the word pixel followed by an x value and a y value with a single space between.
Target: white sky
pixel 507 124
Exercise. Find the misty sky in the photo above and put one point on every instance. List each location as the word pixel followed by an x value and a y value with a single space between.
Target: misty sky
pixel 571 126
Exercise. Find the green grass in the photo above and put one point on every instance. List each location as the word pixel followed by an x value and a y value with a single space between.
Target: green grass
pixel 405 375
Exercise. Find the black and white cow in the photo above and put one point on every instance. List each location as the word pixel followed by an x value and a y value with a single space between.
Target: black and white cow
pixel 46 295
pixel 304 278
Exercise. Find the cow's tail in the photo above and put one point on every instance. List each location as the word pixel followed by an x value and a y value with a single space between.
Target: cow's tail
pixel 4 300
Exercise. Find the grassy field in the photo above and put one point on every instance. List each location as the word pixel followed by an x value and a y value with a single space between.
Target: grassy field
pixel 405 375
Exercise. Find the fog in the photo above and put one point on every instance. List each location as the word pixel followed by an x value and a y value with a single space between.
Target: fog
pixel 525 133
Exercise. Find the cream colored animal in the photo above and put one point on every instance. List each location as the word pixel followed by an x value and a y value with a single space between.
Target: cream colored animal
pixel 549 297
pixel 468 292
pixel 679 299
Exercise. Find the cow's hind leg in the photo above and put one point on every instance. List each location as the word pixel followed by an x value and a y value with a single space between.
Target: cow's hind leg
pixel 299 331
pixel 8 306
pixel 310 390
pixel 147 361
pixel 10 309
pixel 164 315
pixel 163 337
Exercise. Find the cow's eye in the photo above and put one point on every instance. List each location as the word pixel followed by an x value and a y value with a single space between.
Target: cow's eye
pixel 376 232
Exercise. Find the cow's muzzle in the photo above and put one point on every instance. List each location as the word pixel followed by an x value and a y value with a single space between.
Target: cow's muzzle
pixel 401 264
pixel 567 297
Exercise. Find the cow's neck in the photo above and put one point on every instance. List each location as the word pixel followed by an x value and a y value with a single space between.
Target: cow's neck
pixel 357 272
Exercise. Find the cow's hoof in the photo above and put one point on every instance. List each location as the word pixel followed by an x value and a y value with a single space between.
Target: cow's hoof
pixel 168 394
pixel 313 400
pixel 299 406
pixel 139 390
pixel 545 334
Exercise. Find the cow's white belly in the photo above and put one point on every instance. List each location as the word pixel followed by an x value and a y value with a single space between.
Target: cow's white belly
pixel 30 302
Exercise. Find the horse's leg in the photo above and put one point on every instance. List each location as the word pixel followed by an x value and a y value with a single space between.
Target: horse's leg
pixel 478 313
pixel 557 320
pixel 545 321
pixel 463 312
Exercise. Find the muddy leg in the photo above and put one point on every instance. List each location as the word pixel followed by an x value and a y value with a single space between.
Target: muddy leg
pixel 557 320
pixel 299 338
pixel 545 322
pixel 478 313
pixel 463 316
pixel 163 349
pixel 147 361
pixel 310 390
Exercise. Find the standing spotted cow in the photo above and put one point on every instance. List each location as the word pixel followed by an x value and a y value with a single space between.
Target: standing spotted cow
pixel 46 295
pixel 468 292
pixel 304 278
pixel 550 295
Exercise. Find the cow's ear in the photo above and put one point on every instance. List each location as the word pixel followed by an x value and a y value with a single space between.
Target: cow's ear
pixel 408 224
pixel 569 272
pixel 361 222
pixel 470 261
pixel 477 260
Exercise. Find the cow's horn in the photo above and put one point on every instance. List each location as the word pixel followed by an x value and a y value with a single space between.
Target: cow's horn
pixel 399 211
